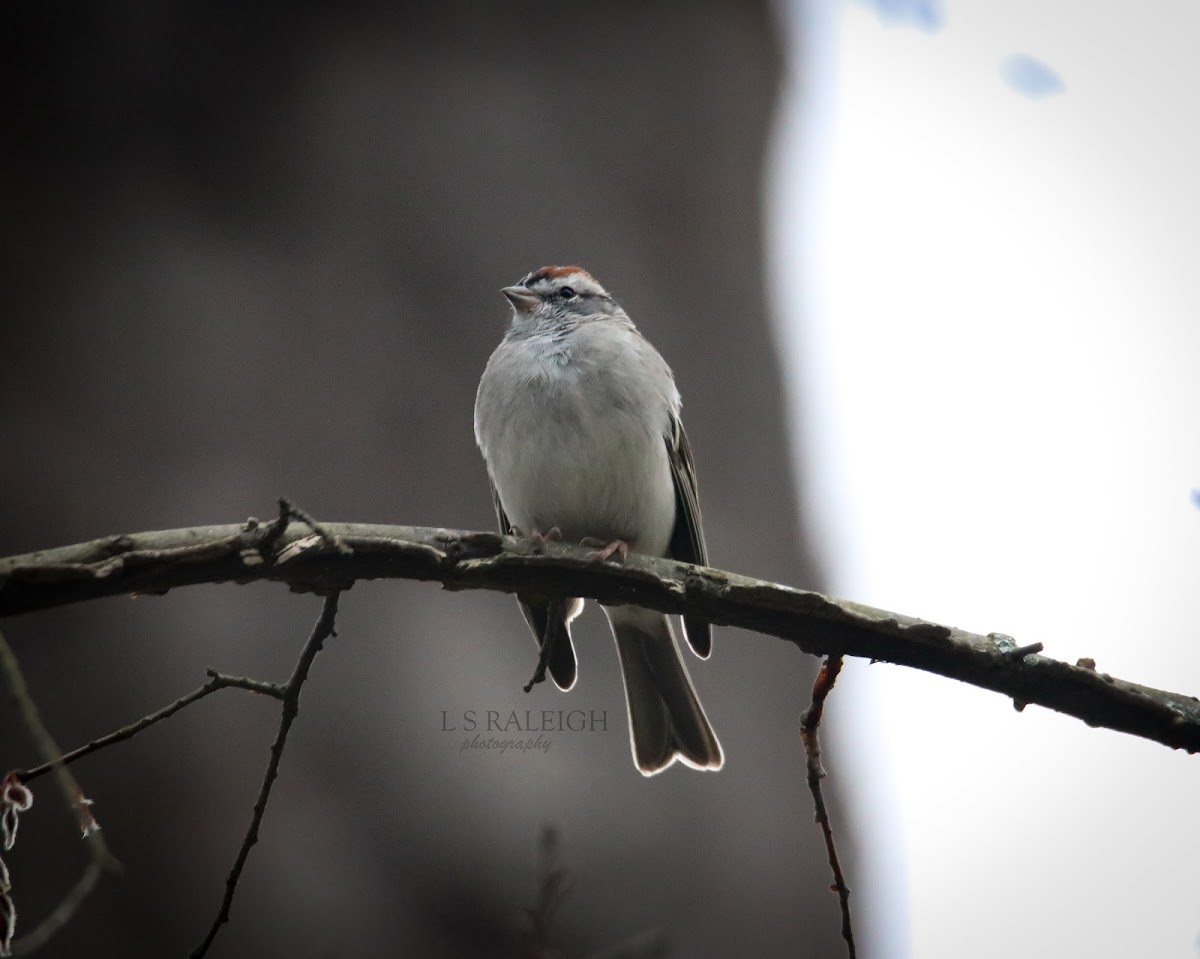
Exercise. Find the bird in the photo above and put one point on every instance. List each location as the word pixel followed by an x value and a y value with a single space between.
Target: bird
pixel 578 419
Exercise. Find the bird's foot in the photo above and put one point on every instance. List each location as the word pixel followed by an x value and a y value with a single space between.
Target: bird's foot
pixel 606 550
pixel 540 539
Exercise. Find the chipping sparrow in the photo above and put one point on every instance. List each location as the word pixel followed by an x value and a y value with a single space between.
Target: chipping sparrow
pixel 577 417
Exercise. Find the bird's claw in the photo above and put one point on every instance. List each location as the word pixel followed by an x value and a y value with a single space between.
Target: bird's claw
pixel 606 550
pixel 539 539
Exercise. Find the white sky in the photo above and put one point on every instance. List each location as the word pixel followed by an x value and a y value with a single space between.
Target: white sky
pixel 991 305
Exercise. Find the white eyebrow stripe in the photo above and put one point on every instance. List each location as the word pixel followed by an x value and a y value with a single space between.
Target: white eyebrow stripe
pixel 579 280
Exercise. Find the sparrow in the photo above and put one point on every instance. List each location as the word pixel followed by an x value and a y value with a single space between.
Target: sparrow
pixel 578 420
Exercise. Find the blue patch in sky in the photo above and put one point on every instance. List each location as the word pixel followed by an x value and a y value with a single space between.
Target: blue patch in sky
pixel 1196 503
pixel 1031 77
pixel 923 14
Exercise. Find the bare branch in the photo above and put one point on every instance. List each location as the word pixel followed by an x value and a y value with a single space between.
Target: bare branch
pixel 218 681
pixel 63 913
pixel 812 750
pixel 72 795
pixel 321 631
pixel 102 860
pixel 158 561
pixel 288 508
pixel 553 889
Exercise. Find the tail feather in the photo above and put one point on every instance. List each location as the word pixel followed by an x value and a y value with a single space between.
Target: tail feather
pixel 666 720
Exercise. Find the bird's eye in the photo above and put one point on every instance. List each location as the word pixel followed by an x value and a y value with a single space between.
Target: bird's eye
pixel 566 293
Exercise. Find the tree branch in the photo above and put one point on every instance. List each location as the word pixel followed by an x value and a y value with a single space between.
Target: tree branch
pixel 73 799
pixel 215 682
pixel 344 552
pixel 290 694
pixel 809 724
pixel 63 913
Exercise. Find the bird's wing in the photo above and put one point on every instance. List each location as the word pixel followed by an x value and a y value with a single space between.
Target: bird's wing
pixel 687 538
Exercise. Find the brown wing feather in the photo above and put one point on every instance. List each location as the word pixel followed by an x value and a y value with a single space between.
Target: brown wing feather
pixel 562 665
pixel 687 538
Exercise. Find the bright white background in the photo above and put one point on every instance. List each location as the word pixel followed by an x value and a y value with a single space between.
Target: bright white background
pixel 988 295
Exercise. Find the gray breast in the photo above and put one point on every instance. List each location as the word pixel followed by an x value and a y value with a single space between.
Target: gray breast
pixel 577 441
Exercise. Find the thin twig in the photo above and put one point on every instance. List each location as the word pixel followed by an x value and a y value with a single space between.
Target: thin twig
pixel 278 526
pixel 323 629
pixel 48 928
pixel 287 506
pixel 1020 652
pixel 553 888
pixel 218 681
pixel 72 796
pixel 263 688
pixel 812 750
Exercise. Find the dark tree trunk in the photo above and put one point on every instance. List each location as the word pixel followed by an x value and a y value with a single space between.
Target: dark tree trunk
pixel 247 256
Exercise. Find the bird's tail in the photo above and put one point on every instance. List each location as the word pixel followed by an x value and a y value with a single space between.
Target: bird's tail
pixel 666 720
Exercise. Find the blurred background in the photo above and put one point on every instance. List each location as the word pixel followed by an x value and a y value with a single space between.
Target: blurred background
pixel 925 274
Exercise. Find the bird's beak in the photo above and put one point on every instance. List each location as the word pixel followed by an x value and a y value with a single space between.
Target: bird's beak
pixel 522 298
